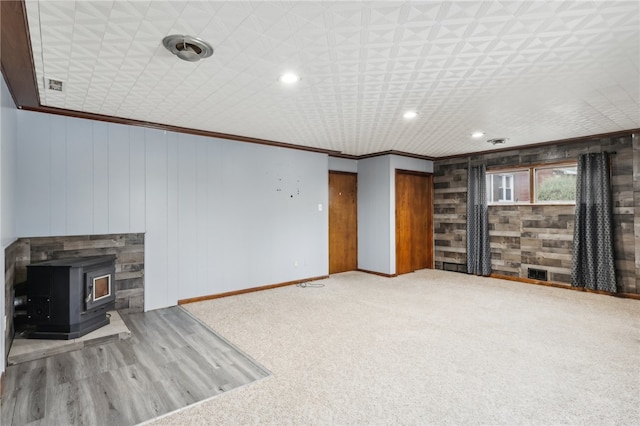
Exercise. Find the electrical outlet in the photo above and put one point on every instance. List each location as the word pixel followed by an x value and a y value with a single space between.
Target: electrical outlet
pixel 295 263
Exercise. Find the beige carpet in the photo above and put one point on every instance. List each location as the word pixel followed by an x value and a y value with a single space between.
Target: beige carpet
pixel 431 347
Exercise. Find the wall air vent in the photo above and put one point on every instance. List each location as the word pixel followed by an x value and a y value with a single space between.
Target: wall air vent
pixel 497 141
pixel 55 85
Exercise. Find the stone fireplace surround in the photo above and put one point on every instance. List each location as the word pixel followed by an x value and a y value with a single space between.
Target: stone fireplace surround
pixel 128 248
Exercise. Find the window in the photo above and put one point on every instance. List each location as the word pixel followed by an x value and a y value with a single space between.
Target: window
pixel 556 184
pixel 549 184
pixel 508 186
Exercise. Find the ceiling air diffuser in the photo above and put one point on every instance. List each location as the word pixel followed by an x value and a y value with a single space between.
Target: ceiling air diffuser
pixel 187 48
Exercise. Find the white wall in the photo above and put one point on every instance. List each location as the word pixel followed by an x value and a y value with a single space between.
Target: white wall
pixel 218 215
pixel 8 140
pixel 376 209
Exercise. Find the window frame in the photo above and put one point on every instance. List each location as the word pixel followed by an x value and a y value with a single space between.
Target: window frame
pixel 534 182
pixel 533 195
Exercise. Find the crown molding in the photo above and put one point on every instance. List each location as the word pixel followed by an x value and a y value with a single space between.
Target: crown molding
pixel 17 66
pixel 616 134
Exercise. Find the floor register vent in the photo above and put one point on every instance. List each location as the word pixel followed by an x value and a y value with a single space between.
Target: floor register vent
pixel 455 267
pixel 537 274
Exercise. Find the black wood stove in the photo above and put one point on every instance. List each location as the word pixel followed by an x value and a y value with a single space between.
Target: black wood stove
pixel 68 298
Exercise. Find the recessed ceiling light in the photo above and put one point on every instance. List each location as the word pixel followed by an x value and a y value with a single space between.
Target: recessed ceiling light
pixel 477 134
pixel 289 78
pixel 410 114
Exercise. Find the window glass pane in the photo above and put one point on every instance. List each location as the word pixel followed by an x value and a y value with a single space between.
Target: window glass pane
pixel 556 184
pixel 508 187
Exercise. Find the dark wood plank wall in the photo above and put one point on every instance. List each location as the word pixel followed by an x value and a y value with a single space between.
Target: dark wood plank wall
pixel 541 236
pixel 636 204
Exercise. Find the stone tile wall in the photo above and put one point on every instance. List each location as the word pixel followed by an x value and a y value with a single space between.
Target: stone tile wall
pixel 540 236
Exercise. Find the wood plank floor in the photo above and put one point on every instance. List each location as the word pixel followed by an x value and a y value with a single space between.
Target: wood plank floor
pixel 171 361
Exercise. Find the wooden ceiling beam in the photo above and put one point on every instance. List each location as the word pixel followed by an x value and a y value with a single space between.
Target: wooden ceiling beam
pixel 15 54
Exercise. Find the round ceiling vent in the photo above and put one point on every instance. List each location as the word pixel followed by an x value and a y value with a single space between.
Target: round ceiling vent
pixel 187 48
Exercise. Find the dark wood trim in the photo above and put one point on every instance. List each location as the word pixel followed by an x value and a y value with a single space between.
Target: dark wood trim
pixel 400 153
pixel 377 273
pixel 247 290
pixel 2 381
pixel 16 55
pixel 413 172
pixel 345 156
pixel 588 138
pixel 19 72
pixel 564 286
pixel 340 172
pixel 526 167
pixel 170 128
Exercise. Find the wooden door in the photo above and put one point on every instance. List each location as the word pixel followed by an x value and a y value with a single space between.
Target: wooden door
pixel 414 221
pixel 343 222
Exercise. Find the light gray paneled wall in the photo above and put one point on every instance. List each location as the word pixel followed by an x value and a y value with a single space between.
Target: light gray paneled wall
pixel 376 209
pixel 9 129
pixel 343 165
pixel 78 177
pixel 218 215
pixel 8 142
pixel 374 219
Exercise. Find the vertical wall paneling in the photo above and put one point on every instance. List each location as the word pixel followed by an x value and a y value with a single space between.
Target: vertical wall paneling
pixel 215 189
pixel 100 178
pixel 119 178
pixel 137 180
pixel 33 177
pixel 58 176
pixel 156 241
pixel 238 256
pixel 173 275
pixel 203 219
pixel 9 157
pixel 374 243
pixel 8 170
pixel 217 215
pixel 187 201
pixel 79 178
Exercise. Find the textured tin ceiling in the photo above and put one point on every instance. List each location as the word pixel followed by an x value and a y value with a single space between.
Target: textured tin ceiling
pixel 530 71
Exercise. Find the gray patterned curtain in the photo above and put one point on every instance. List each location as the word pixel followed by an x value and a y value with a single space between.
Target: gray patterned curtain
pixel 478 249
pixel 593 266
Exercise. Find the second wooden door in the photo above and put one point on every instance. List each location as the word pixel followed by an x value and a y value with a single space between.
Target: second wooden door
pixel 414 221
